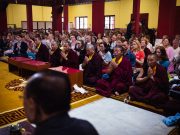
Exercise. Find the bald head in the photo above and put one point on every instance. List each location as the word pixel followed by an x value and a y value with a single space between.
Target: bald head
pixel 152 60
pixel 153 55
pixel 49 91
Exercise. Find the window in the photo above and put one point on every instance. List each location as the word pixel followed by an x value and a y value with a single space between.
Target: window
pixel 81 22
pixel 38 25
pixel 109 22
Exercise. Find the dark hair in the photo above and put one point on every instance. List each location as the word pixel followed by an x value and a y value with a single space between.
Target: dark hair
pixel 163 53
pixel 125 40
pixel 50 90
pixel 20 35
pixel 67 42
pixel 82 42
pixel 106 47
pixel 46 34
pixel 38 36
pixel 132 19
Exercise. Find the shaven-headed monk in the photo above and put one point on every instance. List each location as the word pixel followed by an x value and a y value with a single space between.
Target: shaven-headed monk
pixel 92 66
pixel 151 87
pixel 120 75
pixel 55 54
pixel 42 53
pixel 69 57
pixel 46 102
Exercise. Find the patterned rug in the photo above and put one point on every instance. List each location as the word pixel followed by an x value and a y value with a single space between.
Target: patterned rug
pixel 134 103
pixel 8 117
pixel 9 98
pixel 77 100
pixel 11 90
pixel 12 116
pixel 12 87
pixel 16 85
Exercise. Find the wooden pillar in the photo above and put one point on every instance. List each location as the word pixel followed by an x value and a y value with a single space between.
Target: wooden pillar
pixel 29 18
pixel 3 17
pixel 57 18
pixel 177 21
pixel 166 19
pixel 98 16
pixel 136 15
pixel 65 18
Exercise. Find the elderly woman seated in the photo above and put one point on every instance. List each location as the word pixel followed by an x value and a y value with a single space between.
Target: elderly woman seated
pixel 118 76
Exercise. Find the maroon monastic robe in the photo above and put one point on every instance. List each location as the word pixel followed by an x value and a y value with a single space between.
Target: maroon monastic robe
pixel 43 53
pixel 73 60
pixel 55 58
pixel 120 79
pixel 92 71
pixel 153 92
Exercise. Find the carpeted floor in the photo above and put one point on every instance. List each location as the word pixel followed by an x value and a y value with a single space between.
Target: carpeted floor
pixel 18 114
pixel 111 117
pixel 11 87
pixel 134 103
pixel 11 110
pixel 8 99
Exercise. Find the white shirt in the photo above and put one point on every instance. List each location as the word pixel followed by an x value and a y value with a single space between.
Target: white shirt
pixel 113 44
pixel 150 47
pixel 176 52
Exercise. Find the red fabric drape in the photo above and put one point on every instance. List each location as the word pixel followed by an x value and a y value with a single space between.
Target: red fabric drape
pixel 3 24
pixel 177 20
pixel 57 18
pixel 166 19
pixel 65 18
pixel 98 16
pixel 136 15
pixel 29 17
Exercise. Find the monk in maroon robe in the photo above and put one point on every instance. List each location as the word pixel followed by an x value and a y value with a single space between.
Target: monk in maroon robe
pixel 69 57
pixel 42 52
pixel 92 66
pixel 151 87
pixel 146 52
pixel 55 55
pixel 120 75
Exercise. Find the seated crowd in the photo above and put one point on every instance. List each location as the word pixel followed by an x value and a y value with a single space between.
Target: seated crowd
pixel 111 63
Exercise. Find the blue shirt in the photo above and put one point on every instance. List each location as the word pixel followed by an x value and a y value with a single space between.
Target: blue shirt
pixel 107 57
pixel 164 63
pixel 131 57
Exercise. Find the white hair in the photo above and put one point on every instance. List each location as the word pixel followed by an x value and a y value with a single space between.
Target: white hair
pixel 54 42
pixel 90 46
